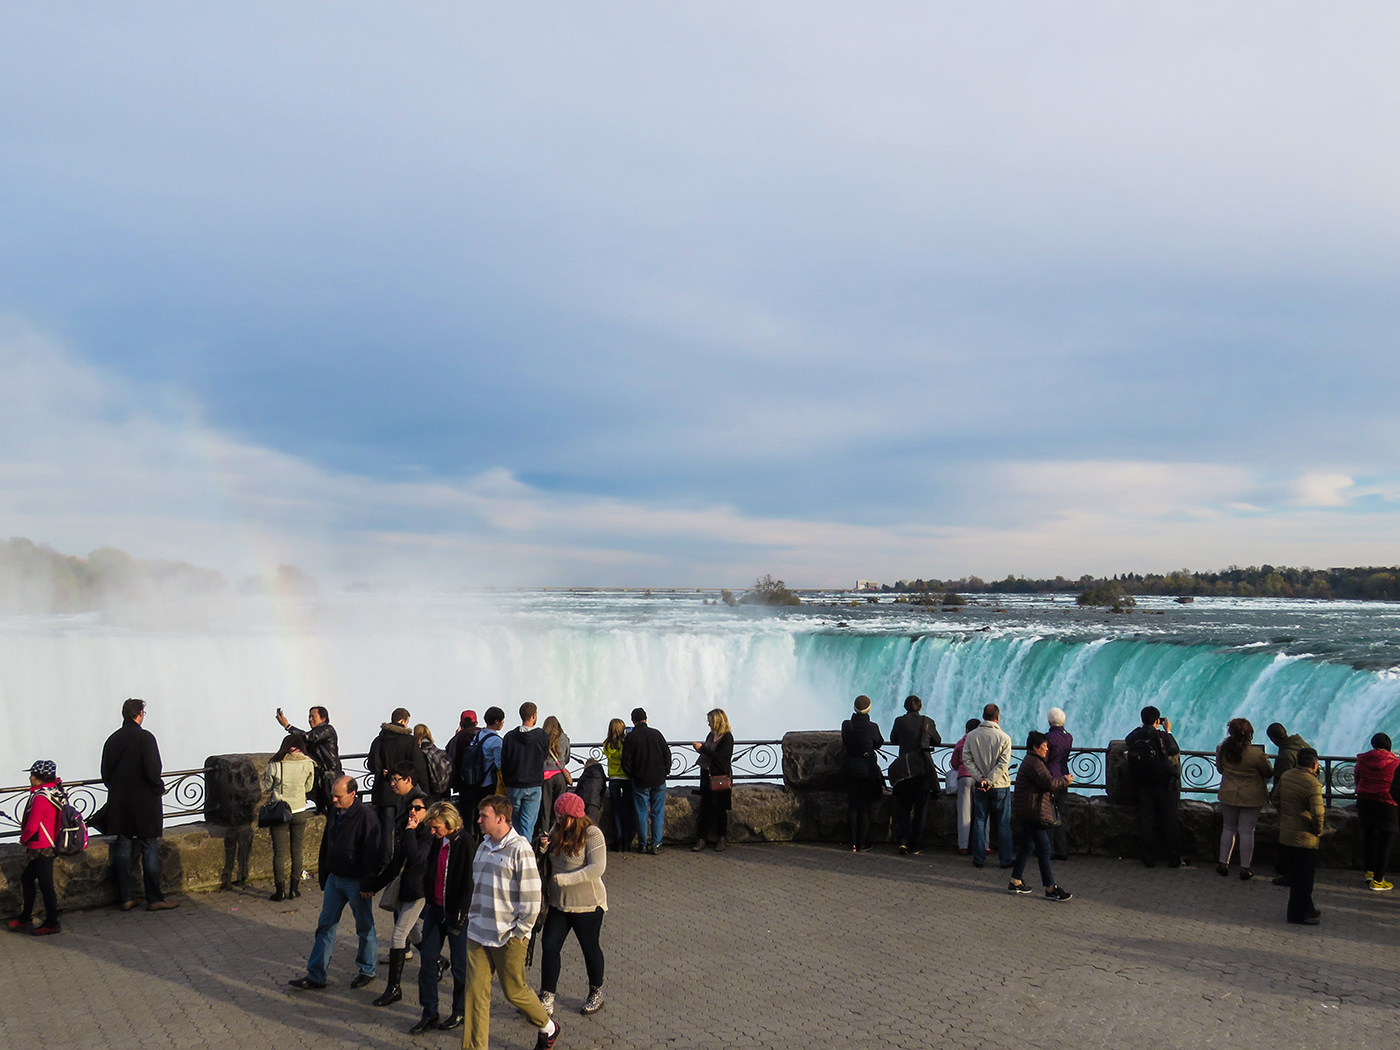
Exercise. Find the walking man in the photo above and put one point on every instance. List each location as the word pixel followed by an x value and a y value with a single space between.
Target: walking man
pixel 506 901
pixel 646 759
pixel 350 854
pixel 131 770
pixel 987 756
pixel 321 744
pixel 1300 821
pixel 523 752
pixel 1152 757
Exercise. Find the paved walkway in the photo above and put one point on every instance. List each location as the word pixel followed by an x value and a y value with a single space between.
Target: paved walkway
pixel 773 946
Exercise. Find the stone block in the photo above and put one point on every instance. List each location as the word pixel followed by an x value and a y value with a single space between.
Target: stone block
pixel 812 761
pixel 764 813
pixel 233 787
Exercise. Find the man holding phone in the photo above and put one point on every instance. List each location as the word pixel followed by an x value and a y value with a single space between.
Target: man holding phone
pixel 321 744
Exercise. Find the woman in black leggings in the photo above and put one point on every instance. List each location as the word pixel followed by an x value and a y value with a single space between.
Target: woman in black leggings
pixel 577 899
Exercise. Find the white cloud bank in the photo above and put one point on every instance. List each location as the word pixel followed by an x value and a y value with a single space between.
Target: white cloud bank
pixel 88 459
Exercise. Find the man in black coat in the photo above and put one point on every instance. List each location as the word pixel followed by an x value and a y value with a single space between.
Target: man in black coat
pixel 350 852
pixel 916 734
pixel 646 759
pixel 320 744
pixel 393 747
pixel 131 771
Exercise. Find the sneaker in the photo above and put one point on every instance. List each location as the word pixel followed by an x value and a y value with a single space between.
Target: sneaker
pixel 1058 893
pixel 903 850
pixel 593 1003
pixel 546 1042
pixel 1369 876
pixel 53 927
pixel 1376 884
pixel 1018 887
pixel 547 1001
pixel 19 925
pixel 962 852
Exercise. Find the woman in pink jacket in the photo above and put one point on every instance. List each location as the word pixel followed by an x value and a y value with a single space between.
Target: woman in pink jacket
pixel 964 787
pixel 1376 808
pixel 38 832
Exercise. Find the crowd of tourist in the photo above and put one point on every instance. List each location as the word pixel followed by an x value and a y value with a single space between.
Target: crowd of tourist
pixel 485 848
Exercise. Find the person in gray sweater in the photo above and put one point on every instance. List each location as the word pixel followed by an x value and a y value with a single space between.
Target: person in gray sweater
pixel 577 900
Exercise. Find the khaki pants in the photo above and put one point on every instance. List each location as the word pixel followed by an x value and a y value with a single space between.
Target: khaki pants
pixel 508 962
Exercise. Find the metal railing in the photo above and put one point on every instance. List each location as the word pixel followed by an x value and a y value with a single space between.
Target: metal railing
pixel 184 786
pixel 755 761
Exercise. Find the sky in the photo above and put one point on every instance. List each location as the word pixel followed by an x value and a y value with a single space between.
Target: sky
pixel 682 294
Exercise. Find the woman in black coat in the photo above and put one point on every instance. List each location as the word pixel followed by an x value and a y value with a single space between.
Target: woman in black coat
pixel 860 737
pixel 412 841
pixel 445 922
pixel 716 760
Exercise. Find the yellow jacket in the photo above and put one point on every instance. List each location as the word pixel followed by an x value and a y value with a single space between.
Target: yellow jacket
pixel 1300 809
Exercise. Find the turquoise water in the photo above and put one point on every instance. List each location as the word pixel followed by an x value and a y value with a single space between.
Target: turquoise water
pixel 214 673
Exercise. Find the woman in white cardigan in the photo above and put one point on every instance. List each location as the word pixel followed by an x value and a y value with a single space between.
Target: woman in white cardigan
pixel 577 899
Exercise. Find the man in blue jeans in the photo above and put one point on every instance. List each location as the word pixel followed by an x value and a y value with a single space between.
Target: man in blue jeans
pixel 646 759
pixel 987 756
pixel 523 752
pixel 350 851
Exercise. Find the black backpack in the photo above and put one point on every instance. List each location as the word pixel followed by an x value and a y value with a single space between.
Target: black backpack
pixel 1146 761
pixel 473 766
pixel 72 836
pixel 439 770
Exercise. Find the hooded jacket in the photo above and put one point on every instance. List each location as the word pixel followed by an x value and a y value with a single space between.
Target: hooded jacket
pixel 40 827
pixel 1375 773
pixel 395 746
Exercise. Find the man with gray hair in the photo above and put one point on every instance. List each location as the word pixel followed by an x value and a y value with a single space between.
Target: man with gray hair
pixel 1057 762
pixel 987 756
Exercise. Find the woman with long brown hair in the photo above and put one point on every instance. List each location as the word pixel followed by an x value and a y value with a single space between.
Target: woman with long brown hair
pixel 716 782
pixel 556 763
pixel 289 777
pixel 624 809
pixel 577 898
pixel 1244 788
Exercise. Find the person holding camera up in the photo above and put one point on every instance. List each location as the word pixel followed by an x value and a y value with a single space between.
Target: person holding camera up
pixel 1153 758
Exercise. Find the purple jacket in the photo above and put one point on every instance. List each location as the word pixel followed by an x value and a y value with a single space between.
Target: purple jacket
pixel 1057 761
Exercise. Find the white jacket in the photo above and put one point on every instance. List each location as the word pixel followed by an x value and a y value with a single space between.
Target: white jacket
pixel 987 755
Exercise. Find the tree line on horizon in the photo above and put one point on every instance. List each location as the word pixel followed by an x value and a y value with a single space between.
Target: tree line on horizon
pixel 1257 581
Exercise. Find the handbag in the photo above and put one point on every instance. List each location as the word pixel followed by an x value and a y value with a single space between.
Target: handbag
pixel 1053 821
pixel 902 768
pixel 274 812
pixel 389 899
pixel 724 783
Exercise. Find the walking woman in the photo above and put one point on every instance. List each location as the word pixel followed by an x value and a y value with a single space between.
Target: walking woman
pixel 556 762
pixel 577 899
pixel 290 777
pixel 1376 808
pixel 860 738
pixel 716 782
pixel 38 833
pixel 447 886
pixel 1033 804
pixel 1244 788
pixel 624 812
pixel 411 844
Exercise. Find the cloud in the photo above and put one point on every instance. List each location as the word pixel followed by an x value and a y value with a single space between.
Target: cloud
pixel 88 459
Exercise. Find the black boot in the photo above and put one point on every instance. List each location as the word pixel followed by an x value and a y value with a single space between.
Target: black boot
pixel 295 890
pixel 278 894
pixel 393 993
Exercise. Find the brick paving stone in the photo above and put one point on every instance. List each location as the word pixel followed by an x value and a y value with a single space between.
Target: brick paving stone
pixel 770 946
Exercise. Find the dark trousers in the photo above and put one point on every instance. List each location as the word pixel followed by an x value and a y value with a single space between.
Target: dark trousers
pixel 468 804
pixel 624 810
pixel 911 812
pixel 714 815
pixel 587 927
pixel 1037 841
pixel 553 787
pixel 1376 833
pixel 38 876
pixel 1301 867
pixel 287 835
pixel 388 820
pixel 859 798
pixel 150 868
pixel 1157 815
pixel 435 935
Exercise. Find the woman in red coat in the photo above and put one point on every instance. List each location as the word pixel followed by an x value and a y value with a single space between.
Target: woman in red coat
pixel 38 833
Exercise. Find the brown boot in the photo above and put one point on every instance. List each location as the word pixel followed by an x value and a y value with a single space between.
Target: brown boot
pixel 699 845
pixel 721 845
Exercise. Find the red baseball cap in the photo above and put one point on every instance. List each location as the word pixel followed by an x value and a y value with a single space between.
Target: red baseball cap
pixel 469 716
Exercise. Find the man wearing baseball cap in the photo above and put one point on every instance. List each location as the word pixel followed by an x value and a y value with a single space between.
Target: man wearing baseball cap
pixel 457 747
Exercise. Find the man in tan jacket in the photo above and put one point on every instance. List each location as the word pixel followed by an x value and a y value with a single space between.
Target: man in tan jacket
pixel 1300 822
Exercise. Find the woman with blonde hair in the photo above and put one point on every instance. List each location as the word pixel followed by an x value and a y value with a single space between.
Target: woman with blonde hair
pixel 716 782
pixel 624 811
pixel 577 899
pixel 447 886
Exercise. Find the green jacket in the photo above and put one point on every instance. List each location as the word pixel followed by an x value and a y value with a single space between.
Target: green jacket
pixel 1287 757
pixel 1300 809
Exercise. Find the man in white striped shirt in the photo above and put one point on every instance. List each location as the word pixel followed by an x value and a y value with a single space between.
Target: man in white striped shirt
pixel 506 901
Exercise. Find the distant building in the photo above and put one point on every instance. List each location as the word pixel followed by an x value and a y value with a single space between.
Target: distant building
pixel 867 585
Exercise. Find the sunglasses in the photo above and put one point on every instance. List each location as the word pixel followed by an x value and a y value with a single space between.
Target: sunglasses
pixel 422 809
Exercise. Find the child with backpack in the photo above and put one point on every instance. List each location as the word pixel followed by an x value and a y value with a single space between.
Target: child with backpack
pixel 42 832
